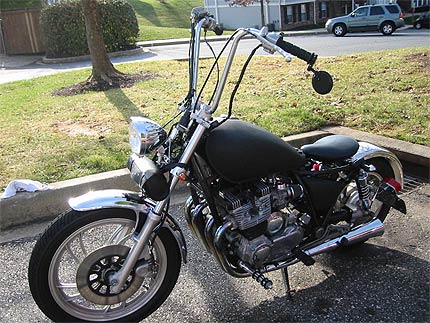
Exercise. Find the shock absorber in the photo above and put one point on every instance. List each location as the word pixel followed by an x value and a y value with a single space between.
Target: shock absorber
pixel 363 189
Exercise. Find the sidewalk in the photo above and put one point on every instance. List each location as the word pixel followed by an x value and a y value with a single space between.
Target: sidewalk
pixel 23 61
pixel 23 67
pixel 151 43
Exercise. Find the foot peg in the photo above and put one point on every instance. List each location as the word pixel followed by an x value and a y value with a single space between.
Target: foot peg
pixel 304 257
pixel 257 275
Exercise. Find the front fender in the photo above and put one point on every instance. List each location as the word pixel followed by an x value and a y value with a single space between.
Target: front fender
pixel 117 199
pixel 368 151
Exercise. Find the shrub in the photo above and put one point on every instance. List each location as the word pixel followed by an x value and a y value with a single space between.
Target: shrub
pixel 63 27
pixel 20 4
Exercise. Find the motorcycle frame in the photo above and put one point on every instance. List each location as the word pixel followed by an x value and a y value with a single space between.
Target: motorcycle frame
pixel 202 116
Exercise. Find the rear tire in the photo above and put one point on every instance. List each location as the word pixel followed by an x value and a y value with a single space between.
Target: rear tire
pixel 383 170
pixel 387 28
pixel 418 25
pixel 72 238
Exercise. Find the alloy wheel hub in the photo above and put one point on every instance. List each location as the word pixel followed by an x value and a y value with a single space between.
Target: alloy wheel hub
pixel 92 277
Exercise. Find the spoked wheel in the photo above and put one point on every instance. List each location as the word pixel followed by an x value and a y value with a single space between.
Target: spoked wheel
pixel 73 260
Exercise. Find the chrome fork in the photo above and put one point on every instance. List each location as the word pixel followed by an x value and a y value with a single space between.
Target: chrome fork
pixel 118 280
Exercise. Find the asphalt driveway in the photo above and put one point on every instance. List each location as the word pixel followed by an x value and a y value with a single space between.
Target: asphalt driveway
pixel 386 280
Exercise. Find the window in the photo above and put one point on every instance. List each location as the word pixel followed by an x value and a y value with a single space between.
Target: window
pixel 304 12
pixel 296 13
pixel 374 11
pixel 289 14
pixel 323 10
pixel 361 12
pixel 392 9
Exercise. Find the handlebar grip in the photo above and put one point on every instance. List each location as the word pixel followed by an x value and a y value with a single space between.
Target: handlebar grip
pixel 304 55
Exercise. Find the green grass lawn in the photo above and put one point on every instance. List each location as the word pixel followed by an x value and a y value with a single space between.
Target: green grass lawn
pixel 164 19
pixel 50 138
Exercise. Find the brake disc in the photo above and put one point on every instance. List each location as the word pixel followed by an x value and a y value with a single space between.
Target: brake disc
pixel 92 277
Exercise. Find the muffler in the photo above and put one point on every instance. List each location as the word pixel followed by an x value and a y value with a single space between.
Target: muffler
pixel 361 233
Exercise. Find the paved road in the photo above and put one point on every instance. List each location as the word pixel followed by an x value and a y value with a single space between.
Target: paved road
pixel 386 280
pixel 323 45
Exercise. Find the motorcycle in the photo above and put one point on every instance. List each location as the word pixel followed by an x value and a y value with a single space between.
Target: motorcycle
pixel 256 203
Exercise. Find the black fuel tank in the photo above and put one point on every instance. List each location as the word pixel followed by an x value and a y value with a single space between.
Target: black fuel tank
pixel 240 151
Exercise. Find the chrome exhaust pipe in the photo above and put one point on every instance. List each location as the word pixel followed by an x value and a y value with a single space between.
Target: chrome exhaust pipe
pixel 363 232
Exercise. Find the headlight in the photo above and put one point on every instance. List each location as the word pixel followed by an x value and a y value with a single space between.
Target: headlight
pixel 145 135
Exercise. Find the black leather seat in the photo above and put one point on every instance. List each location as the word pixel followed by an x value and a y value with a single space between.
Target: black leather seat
pixel 332 148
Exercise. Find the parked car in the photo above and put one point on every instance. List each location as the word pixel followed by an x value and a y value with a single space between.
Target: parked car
pixel 384 18
pixel 422 21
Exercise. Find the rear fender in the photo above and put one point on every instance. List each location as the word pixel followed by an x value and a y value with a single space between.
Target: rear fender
pixel 369 151
pixel 105 199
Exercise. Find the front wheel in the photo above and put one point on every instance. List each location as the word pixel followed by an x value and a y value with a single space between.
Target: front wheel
pixel 418 25
pixel 72 261
pixel 339 30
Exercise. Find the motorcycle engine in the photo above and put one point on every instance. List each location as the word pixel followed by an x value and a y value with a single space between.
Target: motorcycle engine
pixel 265 228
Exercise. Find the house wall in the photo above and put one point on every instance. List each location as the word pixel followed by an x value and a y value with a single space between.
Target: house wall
pixel 276 13
pixel 233 17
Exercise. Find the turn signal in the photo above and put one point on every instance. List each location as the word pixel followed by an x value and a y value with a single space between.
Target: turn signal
pixel 401 14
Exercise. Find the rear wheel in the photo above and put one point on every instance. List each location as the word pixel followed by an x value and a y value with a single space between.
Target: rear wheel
pixel 349 197
pixel 387 28
pixel 71 264
pixel 418 25
pixel 339 30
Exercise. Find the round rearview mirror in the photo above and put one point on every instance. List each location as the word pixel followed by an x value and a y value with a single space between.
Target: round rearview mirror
pixel 322 82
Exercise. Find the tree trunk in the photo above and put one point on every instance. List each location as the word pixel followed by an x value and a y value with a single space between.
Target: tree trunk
pixel 262 13
pixel 103 70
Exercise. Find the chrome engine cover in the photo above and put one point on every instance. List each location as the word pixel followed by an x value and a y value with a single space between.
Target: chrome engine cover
pixel 271 246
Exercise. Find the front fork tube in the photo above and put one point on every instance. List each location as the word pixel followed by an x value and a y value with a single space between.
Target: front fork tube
pixel 154 218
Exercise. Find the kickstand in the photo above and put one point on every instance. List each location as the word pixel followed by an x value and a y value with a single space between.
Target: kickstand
pixel 288 289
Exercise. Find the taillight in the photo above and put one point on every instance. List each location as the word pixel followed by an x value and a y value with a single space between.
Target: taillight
pixel 395 184
pixel 401 15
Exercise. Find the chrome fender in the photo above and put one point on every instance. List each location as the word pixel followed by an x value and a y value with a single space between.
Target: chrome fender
pixel 105 199
pixel 368 151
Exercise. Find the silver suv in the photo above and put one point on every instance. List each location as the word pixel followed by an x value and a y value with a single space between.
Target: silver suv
pixel 383 18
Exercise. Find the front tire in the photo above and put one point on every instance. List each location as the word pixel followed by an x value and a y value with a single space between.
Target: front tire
pixel 79 242
pixel 418 25
pixel 339 30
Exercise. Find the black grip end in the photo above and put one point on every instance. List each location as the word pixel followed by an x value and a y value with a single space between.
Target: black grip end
pixel 218 30
pixel 304 55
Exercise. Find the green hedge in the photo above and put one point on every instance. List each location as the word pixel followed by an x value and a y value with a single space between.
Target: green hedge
pixel 20 4
pixel 63 27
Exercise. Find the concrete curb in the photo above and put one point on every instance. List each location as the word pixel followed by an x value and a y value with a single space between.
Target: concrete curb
pixel 405 151
pixel 30 207
pixel 74 59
